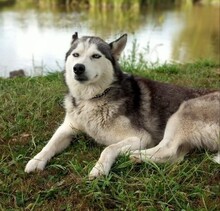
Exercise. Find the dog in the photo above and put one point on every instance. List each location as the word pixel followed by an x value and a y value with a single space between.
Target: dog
pixel 152 121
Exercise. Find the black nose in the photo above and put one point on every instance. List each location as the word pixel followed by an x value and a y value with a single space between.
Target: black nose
pixel 79 69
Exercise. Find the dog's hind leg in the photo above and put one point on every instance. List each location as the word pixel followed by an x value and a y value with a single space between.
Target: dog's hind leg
pixel 158 154
pixel 59 141
pixel 110 153
pixel 190 127
pixel 167 149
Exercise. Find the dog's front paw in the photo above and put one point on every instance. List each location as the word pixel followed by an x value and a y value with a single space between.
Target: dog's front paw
pixel 35 164
pixel 97 171
pixel 217 158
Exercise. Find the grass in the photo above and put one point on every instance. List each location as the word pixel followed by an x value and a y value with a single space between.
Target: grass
pixel 31 110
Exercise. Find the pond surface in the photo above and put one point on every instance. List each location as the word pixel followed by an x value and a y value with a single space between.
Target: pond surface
pixel 36 39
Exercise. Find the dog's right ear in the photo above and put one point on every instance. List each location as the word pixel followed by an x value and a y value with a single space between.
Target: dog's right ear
pixel 74 37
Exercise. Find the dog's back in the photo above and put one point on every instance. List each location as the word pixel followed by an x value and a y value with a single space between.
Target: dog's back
pixel 187 118
pixel 154 102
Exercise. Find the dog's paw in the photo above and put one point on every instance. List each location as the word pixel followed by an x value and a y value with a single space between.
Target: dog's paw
pixel 35 164
pixel 217 158
pixel 97 171
pixel 135 157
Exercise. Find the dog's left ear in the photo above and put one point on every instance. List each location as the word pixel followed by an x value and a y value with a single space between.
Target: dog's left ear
pixel 74 37
pixel 118 46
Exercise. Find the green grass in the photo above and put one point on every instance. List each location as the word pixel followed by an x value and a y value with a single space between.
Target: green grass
pixel 31 110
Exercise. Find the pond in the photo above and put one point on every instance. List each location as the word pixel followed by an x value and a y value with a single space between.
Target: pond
pixel 35 38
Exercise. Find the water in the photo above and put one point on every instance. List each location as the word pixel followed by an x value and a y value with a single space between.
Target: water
pixel 36 39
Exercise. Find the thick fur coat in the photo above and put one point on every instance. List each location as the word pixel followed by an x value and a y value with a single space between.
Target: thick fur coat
pixel 149 119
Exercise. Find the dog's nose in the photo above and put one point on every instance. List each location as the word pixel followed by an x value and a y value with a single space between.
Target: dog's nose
pixel 79 69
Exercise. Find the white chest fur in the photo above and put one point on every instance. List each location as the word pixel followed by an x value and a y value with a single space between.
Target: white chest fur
pixel 100 119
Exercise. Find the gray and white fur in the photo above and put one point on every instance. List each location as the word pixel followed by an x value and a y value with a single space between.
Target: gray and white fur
pixel 151 120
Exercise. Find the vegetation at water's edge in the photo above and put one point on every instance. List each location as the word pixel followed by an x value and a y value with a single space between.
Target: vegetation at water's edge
pixel 31 109
pixel 104 3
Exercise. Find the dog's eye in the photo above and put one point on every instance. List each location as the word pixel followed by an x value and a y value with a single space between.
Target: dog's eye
pixel 96 56
pixel 75 54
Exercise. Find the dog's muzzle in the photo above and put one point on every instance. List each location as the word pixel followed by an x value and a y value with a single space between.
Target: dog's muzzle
pixel 79 70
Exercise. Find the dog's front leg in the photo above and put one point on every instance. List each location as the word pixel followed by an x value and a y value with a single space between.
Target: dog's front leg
pixel 59 141
pixel 110 153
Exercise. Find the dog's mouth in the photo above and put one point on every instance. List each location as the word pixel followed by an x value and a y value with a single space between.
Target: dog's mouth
pixel 81 78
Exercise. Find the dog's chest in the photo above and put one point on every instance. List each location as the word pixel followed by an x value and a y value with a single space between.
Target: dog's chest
pixel 89 116
pixel 103 120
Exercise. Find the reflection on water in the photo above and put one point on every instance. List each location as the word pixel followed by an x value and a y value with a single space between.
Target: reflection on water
pixel 36 40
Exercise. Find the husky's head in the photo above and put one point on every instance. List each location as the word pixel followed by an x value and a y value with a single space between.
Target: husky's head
pixel 91 65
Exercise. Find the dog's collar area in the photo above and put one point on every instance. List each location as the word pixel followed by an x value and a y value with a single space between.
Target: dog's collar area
pixel 102 94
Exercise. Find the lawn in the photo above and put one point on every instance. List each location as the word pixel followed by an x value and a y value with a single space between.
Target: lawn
pixel 31 110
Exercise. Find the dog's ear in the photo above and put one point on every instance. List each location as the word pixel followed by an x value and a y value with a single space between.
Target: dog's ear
pixel 74 37
pixel 118 46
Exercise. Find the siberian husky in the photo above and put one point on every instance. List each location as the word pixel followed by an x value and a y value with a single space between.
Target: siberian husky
pixel 153 121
